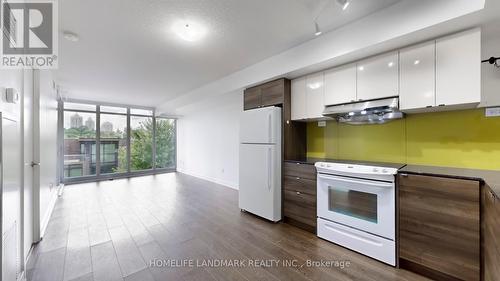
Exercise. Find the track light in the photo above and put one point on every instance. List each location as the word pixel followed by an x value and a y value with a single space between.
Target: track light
pixel 318 31
pixel 344 4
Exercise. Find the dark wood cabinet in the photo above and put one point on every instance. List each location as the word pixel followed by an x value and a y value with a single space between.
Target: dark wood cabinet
pixel 252 98
pixel 491 235
pixel 267 94
pixel 439 226
pixel 273 93
pixel 299 195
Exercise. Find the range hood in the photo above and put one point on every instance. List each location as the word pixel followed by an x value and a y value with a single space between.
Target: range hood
pixel 368 112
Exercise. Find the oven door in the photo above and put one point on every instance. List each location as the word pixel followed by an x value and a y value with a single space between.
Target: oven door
pixel 365 205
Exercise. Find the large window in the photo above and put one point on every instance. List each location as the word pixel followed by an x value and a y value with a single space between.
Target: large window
pixel 113 140
pixel 130 140
pixel 165 143
pixel 141 143
pixel 79 143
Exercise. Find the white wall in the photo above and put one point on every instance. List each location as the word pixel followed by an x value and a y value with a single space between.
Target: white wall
pixel 208 139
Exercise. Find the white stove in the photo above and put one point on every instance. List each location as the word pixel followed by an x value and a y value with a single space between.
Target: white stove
pixel 360 171
pixel 356 208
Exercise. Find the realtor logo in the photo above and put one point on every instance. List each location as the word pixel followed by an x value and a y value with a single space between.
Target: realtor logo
pixel 29 34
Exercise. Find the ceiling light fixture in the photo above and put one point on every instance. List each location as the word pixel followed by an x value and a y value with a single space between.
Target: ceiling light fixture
pixel 344 4
pixel 189 31
pixel 318 31
pixel 416 62
pixel 390 64
pixel 70 36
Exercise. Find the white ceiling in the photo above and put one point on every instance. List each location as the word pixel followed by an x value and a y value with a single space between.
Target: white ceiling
pixel 128 54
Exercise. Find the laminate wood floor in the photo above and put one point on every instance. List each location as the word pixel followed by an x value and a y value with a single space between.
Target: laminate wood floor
pixel 165 227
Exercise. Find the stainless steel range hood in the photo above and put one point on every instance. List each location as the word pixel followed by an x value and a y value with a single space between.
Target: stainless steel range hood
pixel 368 112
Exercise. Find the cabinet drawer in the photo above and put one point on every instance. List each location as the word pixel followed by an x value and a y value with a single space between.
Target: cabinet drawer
pixel 300 207
pixel 305 171
pixel 301 185
pixel 439 224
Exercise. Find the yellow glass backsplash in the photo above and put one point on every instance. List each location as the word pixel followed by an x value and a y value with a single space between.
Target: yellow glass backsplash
pixel 464 139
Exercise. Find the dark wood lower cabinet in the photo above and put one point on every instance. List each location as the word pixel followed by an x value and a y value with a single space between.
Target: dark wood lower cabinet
pixel 299 195
pixel 491 235
pixel 439 227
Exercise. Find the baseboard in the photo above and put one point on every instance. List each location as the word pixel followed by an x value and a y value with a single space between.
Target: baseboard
pixel 44 222
pixel 211 179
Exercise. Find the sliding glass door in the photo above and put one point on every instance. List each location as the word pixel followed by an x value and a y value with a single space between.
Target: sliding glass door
pixel 129 141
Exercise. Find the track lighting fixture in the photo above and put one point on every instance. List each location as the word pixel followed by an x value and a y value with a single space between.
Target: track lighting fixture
pixel 344 4
pixel 318 31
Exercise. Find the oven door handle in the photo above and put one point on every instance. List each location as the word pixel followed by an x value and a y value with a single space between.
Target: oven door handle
pixel 357 181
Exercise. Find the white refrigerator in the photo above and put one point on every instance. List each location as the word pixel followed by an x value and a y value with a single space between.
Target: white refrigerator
pixel 260 162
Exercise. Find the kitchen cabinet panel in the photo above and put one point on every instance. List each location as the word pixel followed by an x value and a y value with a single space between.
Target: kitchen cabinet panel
pixel 304 171
pixel 491 235
pixel 315 99
pixel 340 85
pixel 252 98
pixel 272 93
pixel 299 194
pixel 378 77
pixel 458 68
pixel 298 184
pixel 439 226
pixel 299 109
pixel 418 79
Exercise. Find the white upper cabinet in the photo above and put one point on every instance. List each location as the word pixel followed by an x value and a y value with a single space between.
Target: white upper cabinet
pixel 340 85
pixel 418 80
pixel 458 68
pixel 315 98
pixel 298 99
pixel 378 77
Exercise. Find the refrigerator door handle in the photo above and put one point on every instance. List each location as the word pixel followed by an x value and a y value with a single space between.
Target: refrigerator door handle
pixel 270 128
pixel 269 168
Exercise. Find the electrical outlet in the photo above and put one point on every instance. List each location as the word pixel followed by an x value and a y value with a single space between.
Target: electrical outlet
pixel 321 123
pixel 492 112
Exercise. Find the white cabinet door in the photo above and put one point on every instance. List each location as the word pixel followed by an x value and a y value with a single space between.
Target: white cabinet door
pixel 298 99
pixel 378 77
pixel 418 78
pixel 458 68
pixel 340 85
pixel 315 100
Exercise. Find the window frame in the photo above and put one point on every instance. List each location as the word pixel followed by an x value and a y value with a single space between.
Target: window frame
pixel 106 176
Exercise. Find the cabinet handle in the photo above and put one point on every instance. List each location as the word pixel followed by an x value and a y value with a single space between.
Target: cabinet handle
pixel 360 100
pixel 429 106
pixel 404 175
pixel 493 197
pixel 442 104
pixel 353 100
pixel 298 193
pixel 297 178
